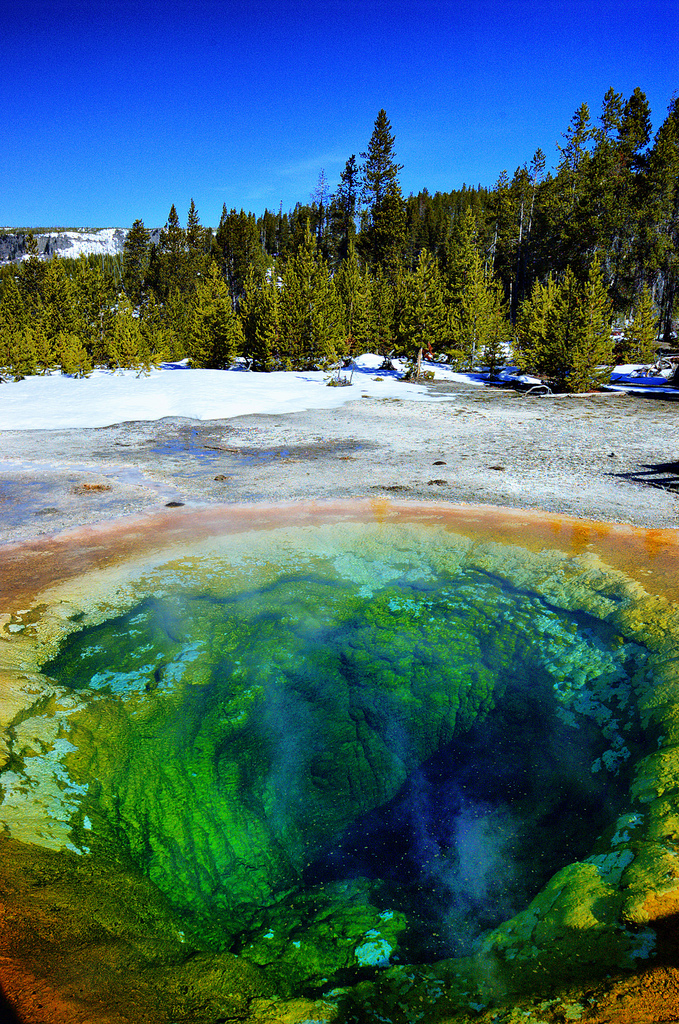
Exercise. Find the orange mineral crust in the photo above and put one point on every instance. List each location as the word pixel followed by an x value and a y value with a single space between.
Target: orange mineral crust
pixel 649 556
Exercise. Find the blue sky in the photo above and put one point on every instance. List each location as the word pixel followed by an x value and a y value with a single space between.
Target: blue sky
pixel 115 110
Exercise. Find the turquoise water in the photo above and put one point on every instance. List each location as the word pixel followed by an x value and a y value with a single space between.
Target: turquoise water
pixel 338 777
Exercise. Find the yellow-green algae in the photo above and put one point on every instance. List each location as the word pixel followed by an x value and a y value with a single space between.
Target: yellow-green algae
pixel 591 916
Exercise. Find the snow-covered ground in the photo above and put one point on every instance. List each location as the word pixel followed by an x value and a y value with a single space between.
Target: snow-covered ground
pixel 56 402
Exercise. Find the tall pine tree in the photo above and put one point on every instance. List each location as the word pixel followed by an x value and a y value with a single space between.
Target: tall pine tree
pixel 343 210
pixel 382 242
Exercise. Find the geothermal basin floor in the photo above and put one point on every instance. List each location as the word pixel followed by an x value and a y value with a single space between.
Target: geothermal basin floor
pixel 610 457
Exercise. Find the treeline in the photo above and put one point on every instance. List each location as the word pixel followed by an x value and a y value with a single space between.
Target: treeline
pixel 544 262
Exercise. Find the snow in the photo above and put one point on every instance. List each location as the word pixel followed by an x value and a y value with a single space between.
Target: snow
pixel 639 389
pixel 72 244
pixel 638 379
pixel 76 243
pixel 628 367
pixel 440 370
pixel 56 402
pixel 368 361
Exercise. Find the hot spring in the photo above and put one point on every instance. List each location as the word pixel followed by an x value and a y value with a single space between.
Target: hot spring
pixel 334 763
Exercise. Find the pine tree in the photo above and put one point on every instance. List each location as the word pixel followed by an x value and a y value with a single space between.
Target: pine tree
pixel 196 248
pixel 592 350
pixel 503 220
pixel 463 243
pixel 44 348
pixel 469 284
pixel 564 330
pixel 72 355
pixel 640 339
pixel 303 216
pixel 320 200
pixel 260 313
pixel 663 206
pixel 20 354
pixel 311 315
pixel 267 226
pixel 354 290
pixel 215 332
pixel 14 314
pixel 248 309
pixel 343 209
pixel 33 271
pixel 170 268
pixel 495 328
pixel 294 309
pixel 568 198
pixel 127 344
pixel 160 340
pixel 382 315
pixel 383 240
pixel 95 299
pixel 467 316
pixel 526 184
pixel 267 338
pixel 239 243
pixel 428 220
pixel 634 131
pixel 177 313
pixel 530 347
pixel 615 186
pixel 575 156
pixel 59 305
pixel 155 283
pixel 611 115
pixel 136 253
pixel 282 235
pixel 423 321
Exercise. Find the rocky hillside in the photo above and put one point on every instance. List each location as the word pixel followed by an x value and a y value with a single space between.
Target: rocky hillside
pixel 106 241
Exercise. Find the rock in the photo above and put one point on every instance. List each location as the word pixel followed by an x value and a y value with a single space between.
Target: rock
pixel 69 244
pixel 91 488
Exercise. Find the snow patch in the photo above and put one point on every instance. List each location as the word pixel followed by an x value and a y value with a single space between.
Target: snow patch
pixel 57 402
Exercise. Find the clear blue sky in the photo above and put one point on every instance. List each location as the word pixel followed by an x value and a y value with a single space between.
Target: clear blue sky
pixel 115 110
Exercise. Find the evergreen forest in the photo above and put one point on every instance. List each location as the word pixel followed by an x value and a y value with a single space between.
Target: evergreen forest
pixel 542 265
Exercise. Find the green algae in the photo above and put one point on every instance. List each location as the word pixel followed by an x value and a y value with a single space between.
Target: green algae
pixel 231 738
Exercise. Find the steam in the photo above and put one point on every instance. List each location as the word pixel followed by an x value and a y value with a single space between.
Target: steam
pixel 465 849
pixel 286 726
